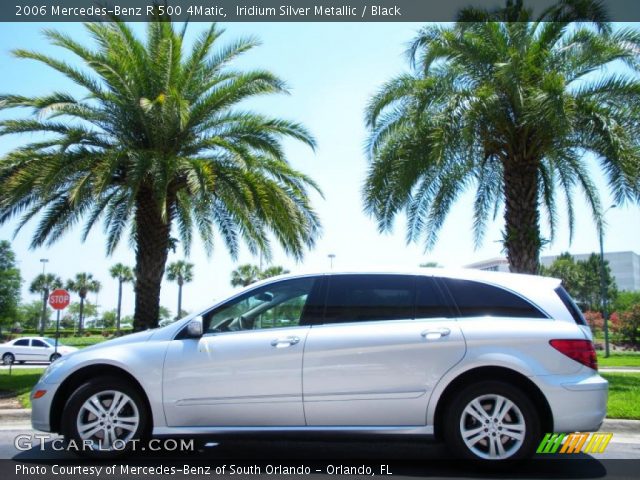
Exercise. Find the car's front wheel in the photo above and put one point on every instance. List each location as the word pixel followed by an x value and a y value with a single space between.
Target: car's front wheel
pixel 492 421
pixel 54 357
pixel 107 416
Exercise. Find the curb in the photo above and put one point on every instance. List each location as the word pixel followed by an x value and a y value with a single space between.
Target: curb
pixel 14 414
pixel 620 426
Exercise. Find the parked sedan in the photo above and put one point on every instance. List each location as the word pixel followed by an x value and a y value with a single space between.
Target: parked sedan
pixel 32 349
pixel 488 362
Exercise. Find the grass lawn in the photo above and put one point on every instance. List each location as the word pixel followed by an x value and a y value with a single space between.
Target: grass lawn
pixel 82 341
pixel 21 381
pixel 624 395
pixel 619 360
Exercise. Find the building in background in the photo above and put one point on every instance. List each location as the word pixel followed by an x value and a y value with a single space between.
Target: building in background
pixel 496 264
pixel 625 266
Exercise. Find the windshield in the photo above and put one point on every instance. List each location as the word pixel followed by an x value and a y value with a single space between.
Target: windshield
pixel 52 341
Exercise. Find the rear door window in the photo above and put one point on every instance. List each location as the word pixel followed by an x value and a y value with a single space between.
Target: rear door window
pixel 355 298
pixel 476 299
pixel 430 301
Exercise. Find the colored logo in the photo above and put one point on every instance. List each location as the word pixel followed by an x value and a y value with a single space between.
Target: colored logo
pixel 595 442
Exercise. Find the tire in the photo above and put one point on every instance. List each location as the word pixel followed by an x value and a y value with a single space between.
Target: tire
pixel 8 359
pixel 54 357
pixel 109 434
pixel 475 430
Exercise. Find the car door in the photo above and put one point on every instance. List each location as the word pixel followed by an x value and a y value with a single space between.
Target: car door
pixel 246 370
pixel 21 350
pixel 40 350
pixel 371 361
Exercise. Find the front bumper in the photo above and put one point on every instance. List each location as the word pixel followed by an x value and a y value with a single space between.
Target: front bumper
pixel 41 407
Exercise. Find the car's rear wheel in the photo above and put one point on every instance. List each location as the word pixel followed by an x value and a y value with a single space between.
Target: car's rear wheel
pixel 107 415
pixel 8 358
pixel 492 421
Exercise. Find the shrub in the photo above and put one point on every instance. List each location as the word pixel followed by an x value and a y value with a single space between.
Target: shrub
pixel 630 324
pixel 595 321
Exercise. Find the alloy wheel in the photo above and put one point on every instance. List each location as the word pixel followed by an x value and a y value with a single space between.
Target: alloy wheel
pixel 492 427
pixel 108 420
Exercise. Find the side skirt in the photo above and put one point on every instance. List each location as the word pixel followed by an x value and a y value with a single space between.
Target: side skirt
pixel 350 430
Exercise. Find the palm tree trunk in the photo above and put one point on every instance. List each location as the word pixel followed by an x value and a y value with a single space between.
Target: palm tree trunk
pixel 45 296
pixel 81 316
pixel 152 249
pixel 179 299
pixel 119 306
pixel 522 218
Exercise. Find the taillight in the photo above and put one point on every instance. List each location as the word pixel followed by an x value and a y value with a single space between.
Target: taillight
pixel 582 351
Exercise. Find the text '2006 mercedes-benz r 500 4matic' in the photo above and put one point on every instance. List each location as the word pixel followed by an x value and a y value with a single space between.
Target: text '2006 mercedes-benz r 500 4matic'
pixel 488 362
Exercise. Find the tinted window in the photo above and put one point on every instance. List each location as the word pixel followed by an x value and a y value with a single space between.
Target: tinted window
pixel 430 302
pixel 277 305
pixel 352 298
pixel 571 306
pixel 22 342
pixel 475 299
pixel 38 343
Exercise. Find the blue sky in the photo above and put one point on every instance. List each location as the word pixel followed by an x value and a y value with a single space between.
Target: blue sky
pixel 332 70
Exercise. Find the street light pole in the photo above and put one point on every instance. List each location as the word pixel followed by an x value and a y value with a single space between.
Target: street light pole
pixel 331 257
pixel 603 284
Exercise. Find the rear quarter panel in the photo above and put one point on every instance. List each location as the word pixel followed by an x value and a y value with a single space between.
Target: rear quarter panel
pixel 519 344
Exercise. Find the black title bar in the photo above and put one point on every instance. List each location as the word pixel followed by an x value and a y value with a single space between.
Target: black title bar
pixel 270 10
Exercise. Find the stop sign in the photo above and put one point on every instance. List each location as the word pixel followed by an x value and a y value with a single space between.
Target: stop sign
pixel 59 299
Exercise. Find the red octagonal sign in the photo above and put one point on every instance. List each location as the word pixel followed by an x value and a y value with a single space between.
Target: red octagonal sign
pixel 59 299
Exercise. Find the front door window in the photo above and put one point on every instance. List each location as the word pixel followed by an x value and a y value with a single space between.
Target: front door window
pixel 279 305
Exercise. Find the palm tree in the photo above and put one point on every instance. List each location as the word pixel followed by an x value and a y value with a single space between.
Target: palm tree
pixel 245 275
pixel 82 285
pixel 509 105
pixel 158 148
pixel 123 274
pixel 180 272
pixel 44 283
pixel 273 271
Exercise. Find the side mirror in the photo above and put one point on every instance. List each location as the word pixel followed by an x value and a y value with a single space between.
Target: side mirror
pixel 194 328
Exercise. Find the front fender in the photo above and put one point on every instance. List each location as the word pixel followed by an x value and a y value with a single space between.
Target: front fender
pixel 142 361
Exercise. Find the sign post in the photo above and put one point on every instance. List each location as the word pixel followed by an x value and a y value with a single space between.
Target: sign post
pixel 59 300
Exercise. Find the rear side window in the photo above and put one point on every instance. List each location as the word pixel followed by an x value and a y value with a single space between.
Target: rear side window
pixel 570 305
pixel 429 300
pixel 476 299
pixel 353 298
pixel 22 343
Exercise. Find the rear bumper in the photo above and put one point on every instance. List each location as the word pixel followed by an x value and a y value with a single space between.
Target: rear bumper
pixel 577 402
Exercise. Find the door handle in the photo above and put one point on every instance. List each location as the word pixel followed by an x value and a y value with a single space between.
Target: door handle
pixel 284 342
pixel 435 333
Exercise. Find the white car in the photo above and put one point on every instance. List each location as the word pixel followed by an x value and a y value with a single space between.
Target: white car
pixel 488 362
pixel 32 349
